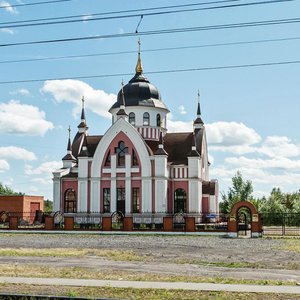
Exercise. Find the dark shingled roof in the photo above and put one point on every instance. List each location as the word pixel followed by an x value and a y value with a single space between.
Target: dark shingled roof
pixel 179 145
pixel 70 175
pixel 92 143
pixel 209 187
pixel 139 92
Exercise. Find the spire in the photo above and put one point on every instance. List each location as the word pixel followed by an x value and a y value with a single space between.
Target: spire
pixel 82 127
pixel 69 156
pixel 69 149
pixel 198 109
pixel 139 68
pixel 198 123
pixel 122 112
pixel 82 111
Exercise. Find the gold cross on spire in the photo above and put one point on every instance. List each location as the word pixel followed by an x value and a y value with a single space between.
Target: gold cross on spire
pixel 69 129
pixel 198 96
pixel 139 68
pixel 82 101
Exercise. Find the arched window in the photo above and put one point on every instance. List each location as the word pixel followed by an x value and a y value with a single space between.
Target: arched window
pixel 121 150
pixel 146 119
pixel 158 120
pixel 132 118
pixel 179 201
pixel 107 161
pixel 70 201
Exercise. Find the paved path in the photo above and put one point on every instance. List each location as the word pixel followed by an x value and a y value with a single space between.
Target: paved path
pixel 155 285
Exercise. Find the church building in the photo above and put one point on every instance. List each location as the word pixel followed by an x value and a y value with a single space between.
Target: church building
pixel 136 166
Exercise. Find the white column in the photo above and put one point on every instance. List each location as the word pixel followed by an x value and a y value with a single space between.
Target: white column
pixel 95 194
pixel 127 183
pixel 195 196
pixel 160 195
pixel 56 194
pixel 146 195
pixel 113 184
pixel 82 194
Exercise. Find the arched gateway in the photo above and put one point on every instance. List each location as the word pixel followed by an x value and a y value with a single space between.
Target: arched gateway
pixel 244 217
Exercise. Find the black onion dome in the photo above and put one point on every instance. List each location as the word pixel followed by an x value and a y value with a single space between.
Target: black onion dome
pixel 139 92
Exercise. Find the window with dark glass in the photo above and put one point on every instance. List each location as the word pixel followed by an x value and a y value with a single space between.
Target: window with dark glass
pixel 107 161
pixel 121 200
pixel 132 118
pixel 121 150
pixel 146 119
pixel 70 201
pixel 135 161
pixel 106 200
pixel 135 200
pixel 158 120
pixel 179 201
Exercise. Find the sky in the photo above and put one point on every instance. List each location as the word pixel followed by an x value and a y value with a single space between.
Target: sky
pixel 251 114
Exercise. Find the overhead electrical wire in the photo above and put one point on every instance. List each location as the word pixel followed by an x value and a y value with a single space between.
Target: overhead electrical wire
pixel 5 6
pixel 151 50
pixel 141 10
pixel 88 18
pixel 278 63
pixel 161 31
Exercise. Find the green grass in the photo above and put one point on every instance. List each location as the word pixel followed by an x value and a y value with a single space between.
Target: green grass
pixel 138 294
pixel 120 255
pixel 18 270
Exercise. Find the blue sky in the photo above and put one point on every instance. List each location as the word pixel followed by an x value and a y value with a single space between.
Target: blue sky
pixel 251 114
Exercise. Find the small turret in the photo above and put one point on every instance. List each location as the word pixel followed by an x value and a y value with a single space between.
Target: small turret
pixel 160 150
pixel 69 159
pixel 122 112
pixel 82 127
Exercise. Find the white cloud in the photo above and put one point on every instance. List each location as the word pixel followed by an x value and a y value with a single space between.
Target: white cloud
pixel 258 163
pixel 12 152
pixel 45 168
pixel 231 134
pixel 7 30
pixel 6 5
pixel 4 165
pixel 279 146
pixel 72 91
pixel 22 92
pixel 182 110
pixel 23 119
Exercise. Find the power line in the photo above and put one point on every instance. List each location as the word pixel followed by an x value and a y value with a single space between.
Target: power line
pixel 33 3
pixel 151 50
pixel 141 10
pixel 85 18
pixel 280 63
pixel 161 31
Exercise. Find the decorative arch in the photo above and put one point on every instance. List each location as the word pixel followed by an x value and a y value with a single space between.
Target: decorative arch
pixel 256 222
pixel 70 201
pixel 121 125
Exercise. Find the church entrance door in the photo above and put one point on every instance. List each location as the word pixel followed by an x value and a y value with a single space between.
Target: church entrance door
pixel 121 200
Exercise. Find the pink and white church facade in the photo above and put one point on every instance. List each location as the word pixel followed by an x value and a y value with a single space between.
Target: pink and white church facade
pixel 136 167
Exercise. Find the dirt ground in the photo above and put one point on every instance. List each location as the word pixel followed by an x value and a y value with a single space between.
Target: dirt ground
pixel 256 259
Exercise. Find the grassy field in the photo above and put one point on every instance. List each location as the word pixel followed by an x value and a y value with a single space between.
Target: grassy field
pixel 138 294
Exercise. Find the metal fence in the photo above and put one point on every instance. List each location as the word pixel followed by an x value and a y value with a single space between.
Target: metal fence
pixel 281 224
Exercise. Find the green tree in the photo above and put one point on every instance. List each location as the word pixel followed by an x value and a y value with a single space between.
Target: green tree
pixel 48 205
pixel 241 190
pixel 5 190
